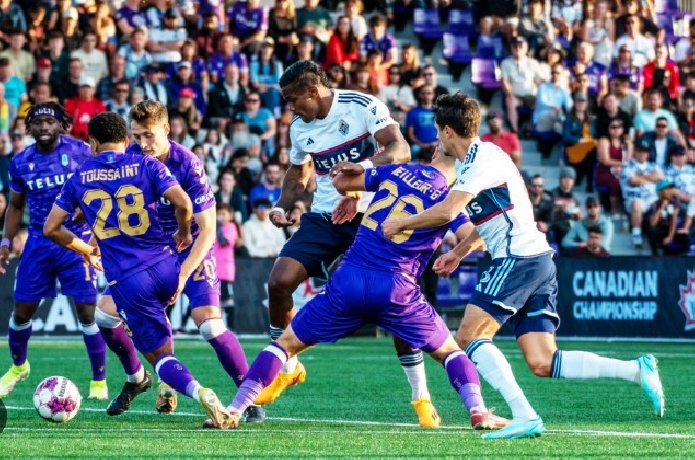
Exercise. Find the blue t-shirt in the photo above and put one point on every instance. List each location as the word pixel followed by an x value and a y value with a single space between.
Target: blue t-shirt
pixel 422 122
pixel 401 190
pixel 119 195
pixel 258 123
pixel 40 177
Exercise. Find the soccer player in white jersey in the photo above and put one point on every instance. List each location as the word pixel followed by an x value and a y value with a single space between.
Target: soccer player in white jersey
pixel 330 127
pixel 521 284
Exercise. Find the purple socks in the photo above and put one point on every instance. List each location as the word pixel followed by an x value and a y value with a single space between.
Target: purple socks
pixel 464 378
pixel 96 349
pixel 118 341
pixel 261 374
pixel 231 356
pixel 19 341
pixel 172 372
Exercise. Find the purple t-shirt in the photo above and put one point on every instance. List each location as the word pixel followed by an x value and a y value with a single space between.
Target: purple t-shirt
pixel 244 22
pixel 189 172
pixel 401 190
pixel 595 72
pixel 119 195
pixel 133 18
pixel 385 44
pixel 41 175
pixel 218 62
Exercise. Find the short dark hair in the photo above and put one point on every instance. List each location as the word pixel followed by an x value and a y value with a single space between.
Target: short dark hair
pixel 460 112
pixel 303 74
pixel 108 127
pixel 378 20
pixel 594 229
pixel 149 112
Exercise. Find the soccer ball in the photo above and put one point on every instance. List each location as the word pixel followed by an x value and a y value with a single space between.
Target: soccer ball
pixel 57 399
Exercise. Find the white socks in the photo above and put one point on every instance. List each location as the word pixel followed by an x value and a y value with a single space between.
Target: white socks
pixel 413 365
pixel 585 365
pixel 496 371
pixel 138 377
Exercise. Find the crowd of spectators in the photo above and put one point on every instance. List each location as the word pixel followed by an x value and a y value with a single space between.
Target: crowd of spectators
pixel 611 83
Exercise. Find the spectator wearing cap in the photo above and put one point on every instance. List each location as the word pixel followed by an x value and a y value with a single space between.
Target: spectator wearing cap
pixel 624 66
pixel 579 138
pixel 521 76
pixel 420 125
pixel 379 39
pixel 265 72
pixel 638 178
pixel 135 54
pixel 15 88
pixel 507 141
pixel 42 75
pixel 314 21
pixel 628 100
pixel 119 102
pixel 645 120
pixel 84 107
pixel 116 74
pixel 130 17
pixel 553 101
pixel 93 59
pixel 566 210
pixel 660 142
pixel 165 43
pixel 156 12
pixel 665 217
pixel 535 28
pixel 662 73
pixel 68 89
pixel 227 53
pixel 23 62
pixel 642 48
pixel 186 109
pixel 597 73
pixel 593 246
pixel 608 111
pixel 154 88
pixel 262 238
pixel 612 151
pixel 248 21
pixel 184 78
pixel 579 233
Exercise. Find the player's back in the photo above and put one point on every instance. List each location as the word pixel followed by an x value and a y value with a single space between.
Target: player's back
pixel 118 193
pixel 401 190
pixel 41 175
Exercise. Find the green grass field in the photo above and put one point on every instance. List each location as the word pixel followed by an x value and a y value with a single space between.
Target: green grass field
pixel 355 403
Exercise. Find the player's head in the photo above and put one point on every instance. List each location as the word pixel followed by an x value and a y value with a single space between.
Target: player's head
pixel 149 126
pixel 457 118
pixel 303 85
pixel 107 131
pixel 46 122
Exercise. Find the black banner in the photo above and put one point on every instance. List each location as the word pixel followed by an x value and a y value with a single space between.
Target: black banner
pixel 651 297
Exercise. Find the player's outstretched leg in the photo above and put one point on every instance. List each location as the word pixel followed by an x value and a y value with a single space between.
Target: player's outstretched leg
pixel 18 338
pixel 96 349
pixel 545 360
pixel 413 364
pixel 138 380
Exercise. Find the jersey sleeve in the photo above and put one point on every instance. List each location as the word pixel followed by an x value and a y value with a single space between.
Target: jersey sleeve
pixel 17 184
pixel 457 223
pixel 474 177
pixel 297 156
pixel 159 174
pixel 374 176
pixel 66 198
pixel 378 116
pixel 198 187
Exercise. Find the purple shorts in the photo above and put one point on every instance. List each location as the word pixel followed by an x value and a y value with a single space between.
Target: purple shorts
pixel 42 262
pixel 141 300
pixel 355 296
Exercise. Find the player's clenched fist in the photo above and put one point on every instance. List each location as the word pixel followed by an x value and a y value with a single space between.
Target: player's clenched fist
pixel 446 264
pixel 4 258
pixel 345 167
pixel 280 218
pixel 392 227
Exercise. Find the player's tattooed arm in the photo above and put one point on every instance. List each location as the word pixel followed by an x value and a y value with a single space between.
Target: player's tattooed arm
pixel 13 221
pixel 54 229
pixel 396 148
pixel 294 185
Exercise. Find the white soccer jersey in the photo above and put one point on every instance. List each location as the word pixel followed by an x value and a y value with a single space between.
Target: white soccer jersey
pixel 346 134
pixel 501 209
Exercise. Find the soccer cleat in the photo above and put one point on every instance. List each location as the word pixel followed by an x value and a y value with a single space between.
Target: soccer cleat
pixel 12 377
pixel 281 382
pixel 167 399
pixel 254 414
pixel 130 390
pixel 637 240
pixel 651 382
pixel 426 413
pixel 219 415
pixel 518 429
pixel 487 420
pixel 98 390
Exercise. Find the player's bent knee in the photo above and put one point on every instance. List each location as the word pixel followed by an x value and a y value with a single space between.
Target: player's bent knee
pixel 105 320
pixel 449 347
pixel 211 328
pixel 202 314
pixel 85 312
pixel 539 366
pixel 107 305
pixel 23 312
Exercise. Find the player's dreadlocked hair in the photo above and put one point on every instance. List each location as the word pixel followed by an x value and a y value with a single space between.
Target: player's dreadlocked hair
pixel 303 74
pixel 52 109
pixel 460 112
pixel 149 112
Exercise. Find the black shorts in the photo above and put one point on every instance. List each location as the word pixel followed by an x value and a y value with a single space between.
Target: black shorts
pixel 318 242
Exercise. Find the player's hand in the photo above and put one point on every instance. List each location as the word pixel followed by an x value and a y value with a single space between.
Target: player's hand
pixel 446 264
pixel 183 241
pixel 345 167
pixel 179 289
pixel 281 220
pixel 94 259
pixel 345 210
pixel 78 216
pixel 392 227
pixel 4 258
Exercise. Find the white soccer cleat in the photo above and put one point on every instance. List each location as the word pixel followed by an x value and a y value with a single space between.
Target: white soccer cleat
pixel 220 416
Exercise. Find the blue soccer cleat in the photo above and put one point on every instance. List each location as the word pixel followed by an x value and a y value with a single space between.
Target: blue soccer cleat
pixel 651 382
pixel 517 429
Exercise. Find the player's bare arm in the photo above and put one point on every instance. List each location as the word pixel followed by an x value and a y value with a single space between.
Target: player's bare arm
pixel 439 214
pixel 293 187
pixel 207 221
pixel 348 182
pixel 54 229
pixel 184 215
pixel 13 220
pixel 469 241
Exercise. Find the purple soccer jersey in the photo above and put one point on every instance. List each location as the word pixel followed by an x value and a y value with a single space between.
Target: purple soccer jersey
pixel 245 21
pixel 400 190
pixel 41 175
pixel 218 62
pixel 119 195
pixel 134 18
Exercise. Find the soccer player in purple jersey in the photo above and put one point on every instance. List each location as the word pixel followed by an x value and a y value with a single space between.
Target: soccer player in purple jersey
pixel 36 175
pixel 149 129
pixel 119 193
pixel 377 283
